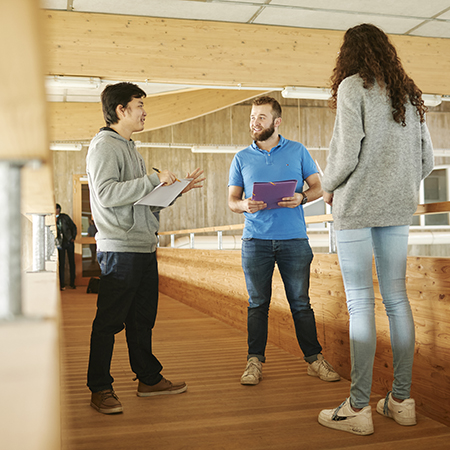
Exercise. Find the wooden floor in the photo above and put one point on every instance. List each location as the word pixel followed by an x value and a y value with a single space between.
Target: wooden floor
pixel 216 412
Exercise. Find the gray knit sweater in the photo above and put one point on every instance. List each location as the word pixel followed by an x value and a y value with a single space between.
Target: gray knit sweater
pixel 375 165
pixel 117 179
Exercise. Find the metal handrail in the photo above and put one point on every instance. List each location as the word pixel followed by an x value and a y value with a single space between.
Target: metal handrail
pixel 425 209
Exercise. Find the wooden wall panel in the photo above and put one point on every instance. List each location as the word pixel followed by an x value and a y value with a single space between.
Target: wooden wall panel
pixel 80 121
pixel 311 120
pixel 213 282
pixel 22 93
pixel 216 53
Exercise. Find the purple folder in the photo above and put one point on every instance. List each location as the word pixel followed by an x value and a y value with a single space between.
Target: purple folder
pixel 272 192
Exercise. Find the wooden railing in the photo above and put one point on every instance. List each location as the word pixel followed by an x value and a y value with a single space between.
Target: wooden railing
pixel 213 282
pixel 425 209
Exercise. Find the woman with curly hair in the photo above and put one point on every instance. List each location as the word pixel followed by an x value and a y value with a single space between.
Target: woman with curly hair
pixel 379 153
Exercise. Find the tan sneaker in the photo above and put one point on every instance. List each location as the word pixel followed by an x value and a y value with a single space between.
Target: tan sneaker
pixel 345 418
pixel 323 370
pixel 253 372
pixel 164 387
pixel 404 413
pixel 106 402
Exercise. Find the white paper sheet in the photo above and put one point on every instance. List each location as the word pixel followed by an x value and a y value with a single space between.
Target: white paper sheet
pixel 164 195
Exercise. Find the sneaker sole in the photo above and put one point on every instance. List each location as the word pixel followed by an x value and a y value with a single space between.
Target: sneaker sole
pixel 250 383
pixel 153 394
pixel 116 410
pixel 342 426
pixel 311 374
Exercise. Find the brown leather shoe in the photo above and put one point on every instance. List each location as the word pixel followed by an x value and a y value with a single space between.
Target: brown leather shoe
pixel 106 402
pixel 164 387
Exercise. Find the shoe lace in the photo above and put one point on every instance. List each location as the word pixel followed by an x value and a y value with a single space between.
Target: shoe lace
pixel 326 366
pixel 338 409
pixel 109 393
pixel 252 368
pixel 386 404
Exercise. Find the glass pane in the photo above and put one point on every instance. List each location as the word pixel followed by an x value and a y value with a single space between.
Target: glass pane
pixel 435 190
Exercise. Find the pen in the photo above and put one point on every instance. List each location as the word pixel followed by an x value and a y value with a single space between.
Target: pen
pixel 157 170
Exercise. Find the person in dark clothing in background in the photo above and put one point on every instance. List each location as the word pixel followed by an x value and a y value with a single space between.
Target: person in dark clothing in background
pixel 65 239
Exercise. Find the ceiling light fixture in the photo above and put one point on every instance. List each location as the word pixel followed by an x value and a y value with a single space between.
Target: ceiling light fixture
pixel 66 147
pixel 306 93
pixel 431 100
pixel 160 145
pixel 64 82
pixel 217 148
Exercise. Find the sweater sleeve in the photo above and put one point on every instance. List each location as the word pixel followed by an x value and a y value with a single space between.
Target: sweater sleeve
pixel 104 169
pixel 427 152
pixel 348 134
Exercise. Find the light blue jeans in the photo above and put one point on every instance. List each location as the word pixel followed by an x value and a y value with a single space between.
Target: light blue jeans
pixel 389 245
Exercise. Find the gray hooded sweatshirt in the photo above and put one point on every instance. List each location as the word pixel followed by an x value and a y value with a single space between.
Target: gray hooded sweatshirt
pixel 375 164
pixel 117 179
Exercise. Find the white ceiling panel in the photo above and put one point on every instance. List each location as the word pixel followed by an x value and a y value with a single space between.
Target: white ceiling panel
pixel 412 8
pixel 336 21
pixel 53 4
pixel 445 15
pixel 434 29
pixel 417 17
pixel 171 9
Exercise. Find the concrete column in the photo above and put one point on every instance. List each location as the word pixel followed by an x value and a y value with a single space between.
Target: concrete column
pixel 10 241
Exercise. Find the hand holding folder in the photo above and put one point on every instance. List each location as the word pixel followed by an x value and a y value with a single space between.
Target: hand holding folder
pixel 273 192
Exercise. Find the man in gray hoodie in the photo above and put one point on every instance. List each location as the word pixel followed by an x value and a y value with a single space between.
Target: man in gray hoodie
pixel 126 249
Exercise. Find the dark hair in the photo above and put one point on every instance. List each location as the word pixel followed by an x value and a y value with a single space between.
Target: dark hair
pixel 266 100
pixel 58 206
pixel 367 51
pixel 118 94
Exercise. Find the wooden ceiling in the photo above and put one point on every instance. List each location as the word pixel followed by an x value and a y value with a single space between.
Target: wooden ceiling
pixel 199 53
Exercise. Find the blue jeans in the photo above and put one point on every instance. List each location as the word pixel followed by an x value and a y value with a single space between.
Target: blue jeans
pixel 127 298
pixel 293 258
pixel 355 249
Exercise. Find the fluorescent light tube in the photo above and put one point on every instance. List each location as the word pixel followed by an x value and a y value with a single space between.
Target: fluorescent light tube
pixel 431 100
pixel 67 147
pixel 64 82
pixel 217 148
pixel 306 93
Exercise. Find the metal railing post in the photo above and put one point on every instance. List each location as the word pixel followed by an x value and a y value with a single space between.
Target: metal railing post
pixel 219 240
pixel 49 243
pixel 10 240
pixel 331 237
pixel 38 242
pixel 191 240
pixel 172 240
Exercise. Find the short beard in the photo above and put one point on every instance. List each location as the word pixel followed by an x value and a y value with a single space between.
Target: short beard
pixel 264 134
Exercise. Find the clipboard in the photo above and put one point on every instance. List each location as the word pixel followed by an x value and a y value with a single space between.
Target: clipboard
pixel 273 192
pixel 164 195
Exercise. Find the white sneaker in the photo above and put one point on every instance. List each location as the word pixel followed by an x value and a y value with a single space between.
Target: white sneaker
pixel 344 418
pixel 322 369
pixel 403 413
pixel 253 371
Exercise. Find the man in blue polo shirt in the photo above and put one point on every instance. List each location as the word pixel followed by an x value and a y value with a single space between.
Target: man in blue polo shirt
pixel 276 235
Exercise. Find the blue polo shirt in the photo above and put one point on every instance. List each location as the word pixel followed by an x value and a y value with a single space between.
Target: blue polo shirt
pixel 287 161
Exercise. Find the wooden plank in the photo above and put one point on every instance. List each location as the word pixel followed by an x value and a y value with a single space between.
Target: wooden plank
pixel 216 411
pixel 81 121
pixel 216 53
pixel 212 282
pixel 23 125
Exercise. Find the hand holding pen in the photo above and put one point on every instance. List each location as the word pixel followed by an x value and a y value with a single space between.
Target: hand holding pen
pixel 165 176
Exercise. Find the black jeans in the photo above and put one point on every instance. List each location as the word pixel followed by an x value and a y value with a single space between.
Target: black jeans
pixel 68 247
pixel 127 298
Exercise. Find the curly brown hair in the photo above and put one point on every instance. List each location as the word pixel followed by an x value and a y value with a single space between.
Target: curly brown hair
pixel 367 51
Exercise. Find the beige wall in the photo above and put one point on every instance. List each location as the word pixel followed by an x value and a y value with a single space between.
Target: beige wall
pixel 310 122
